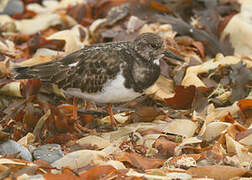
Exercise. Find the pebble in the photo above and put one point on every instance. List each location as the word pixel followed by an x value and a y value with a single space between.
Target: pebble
pixel 12 147
pixel 48 152
pixel 11 7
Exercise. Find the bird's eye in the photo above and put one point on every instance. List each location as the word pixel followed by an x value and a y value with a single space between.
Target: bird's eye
pixel 154 46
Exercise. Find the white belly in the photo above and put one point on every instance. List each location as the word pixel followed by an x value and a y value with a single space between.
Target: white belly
pixel 113 92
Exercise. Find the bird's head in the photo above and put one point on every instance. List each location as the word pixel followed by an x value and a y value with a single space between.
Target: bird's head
pixel 152 47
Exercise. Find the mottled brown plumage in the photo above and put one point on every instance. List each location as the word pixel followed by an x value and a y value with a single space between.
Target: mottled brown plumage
pixel 90 68
pixel 106 73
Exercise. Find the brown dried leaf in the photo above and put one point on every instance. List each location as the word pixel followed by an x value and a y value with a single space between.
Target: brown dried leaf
pixel 240 77
pixel 65 174
pixel 243 134
pixel 245 104
pixel 235 129
pixel 183 97
pixel 228 118
pixel 246 110
pixel 4 136
pixel 163 88
pixel 217 172
pixel 31 116
pixel 216 154
pixel 159 7
pixel 144 113
pixel 100 172
pixel 199 47
pixel 28 14
pixel 61 138
pixel 4 71
pixel 165 147
pixel 117 14
pixel 194 156
pixel 138 161
pixel 82 13
pixel 30 87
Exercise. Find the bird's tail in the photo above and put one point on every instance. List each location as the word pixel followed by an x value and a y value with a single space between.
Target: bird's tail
pixel 21 72
pixel 43 72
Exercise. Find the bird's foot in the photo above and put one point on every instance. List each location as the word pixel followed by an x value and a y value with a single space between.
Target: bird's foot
pixel 84 129
pixel 112 119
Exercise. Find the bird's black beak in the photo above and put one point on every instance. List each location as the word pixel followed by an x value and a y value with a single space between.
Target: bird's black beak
pixel 171 55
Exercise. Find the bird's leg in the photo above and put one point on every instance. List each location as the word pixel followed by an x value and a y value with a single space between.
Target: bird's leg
pixel 75 109
pixel 112 119
pixel 87 104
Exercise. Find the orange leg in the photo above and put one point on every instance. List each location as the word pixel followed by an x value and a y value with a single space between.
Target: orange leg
pixel 113 122
pixel 87 104
pixel 75 109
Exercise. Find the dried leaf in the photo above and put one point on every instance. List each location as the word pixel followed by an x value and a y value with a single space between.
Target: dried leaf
pixel 144 113
pixel 138 161
pixel 177 158
pixel 217 172
pixel 100 172
pixel 94 141
pixel 183 97
pixel 79 159
pixel 240 77
pixel 178 127
pixel 165 147
pixel 163 88
pixel 65 174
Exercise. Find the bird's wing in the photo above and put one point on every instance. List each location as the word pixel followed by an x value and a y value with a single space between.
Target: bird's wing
pixel 87 69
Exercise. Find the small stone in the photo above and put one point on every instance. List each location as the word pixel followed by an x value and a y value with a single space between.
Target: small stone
pixel 134 24
pixel 12 7
pixel 12 147
pixel 48 152
pixel 117 13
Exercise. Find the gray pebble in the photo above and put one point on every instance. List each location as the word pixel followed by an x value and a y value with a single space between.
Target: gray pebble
pixel 117 13
pixel 48 152
pixel 12 7
pixel 12 147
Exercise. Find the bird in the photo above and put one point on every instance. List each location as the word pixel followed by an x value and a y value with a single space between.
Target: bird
pixel 108 73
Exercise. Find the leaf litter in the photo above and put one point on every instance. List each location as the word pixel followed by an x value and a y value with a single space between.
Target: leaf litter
pixel 195 122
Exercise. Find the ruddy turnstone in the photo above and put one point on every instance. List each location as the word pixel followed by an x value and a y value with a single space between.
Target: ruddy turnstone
pixel 106 73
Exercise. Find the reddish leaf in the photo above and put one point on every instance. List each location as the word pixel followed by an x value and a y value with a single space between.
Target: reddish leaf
pixel 30 87
pixel 228 118
pixel 183 97
pixel 245 104
pixel 140 162
pixel 28 14
pixel 62 138
pixel 199 47
pixel 215 155
pixel 246 110
pixel 165 147
pixel 159 7
pixel 43 164
pixel 65 174
pixel 150 131
pixel 224 21
pixel 32 1
pixel 31 116
pixel 81 13
pixel 100 172
pixel 144 113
